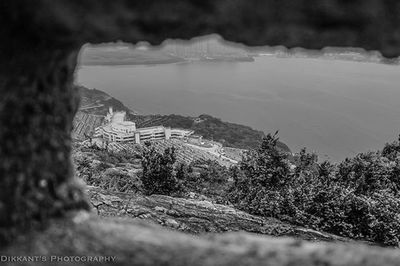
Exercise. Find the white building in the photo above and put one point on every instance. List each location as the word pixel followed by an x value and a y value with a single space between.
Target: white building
pixel 116 129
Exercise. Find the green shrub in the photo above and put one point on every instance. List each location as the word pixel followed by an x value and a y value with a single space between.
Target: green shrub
pixel 158 172
pixel 210 179
pixel 118 180
pixel 358 198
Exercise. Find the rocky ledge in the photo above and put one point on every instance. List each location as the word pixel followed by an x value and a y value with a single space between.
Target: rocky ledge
pixel 133 240
pixel 126 241
pixel 195 216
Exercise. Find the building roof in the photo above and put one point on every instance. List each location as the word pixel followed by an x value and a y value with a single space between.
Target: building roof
pixel 125 123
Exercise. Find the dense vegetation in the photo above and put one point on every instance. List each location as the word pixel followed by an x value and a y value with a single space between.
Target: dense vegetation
pixel 162 175
pixel 358 198
pixel 106 169
pixel 150 171
pixel 158 171
pixel 206 178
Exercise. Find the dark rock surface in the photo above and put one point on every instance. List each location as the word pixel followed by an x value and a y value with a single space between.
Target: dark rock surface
pixel 195 216
pixel 371 24
pixel 37 106
pixel 41 40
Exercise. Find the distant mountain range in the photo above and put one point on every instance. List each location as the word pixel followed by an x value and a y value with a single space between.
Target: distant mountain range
pixel 333 53
pixel 123 54
pixel 95 104
pixel 213 48
pixel 172 51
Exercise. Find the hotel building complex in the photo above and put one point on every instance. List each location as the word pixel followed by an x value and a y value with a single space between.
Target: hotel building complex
pixel 117 129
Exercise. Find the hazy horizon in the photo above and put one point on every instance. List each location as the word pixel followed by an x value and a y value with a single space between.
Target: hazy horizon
pixel 336 108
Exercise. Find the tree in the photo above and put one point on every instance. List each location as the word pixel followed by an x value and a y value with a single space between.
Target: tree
pixel 357 198
pixel 392 150
pixel 182 172
pixel 267 166
pixel 266 175
pixel 158 171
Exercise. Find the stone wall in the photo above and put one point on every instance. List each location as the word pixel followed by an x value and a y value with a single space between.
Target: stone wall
pixel 39 44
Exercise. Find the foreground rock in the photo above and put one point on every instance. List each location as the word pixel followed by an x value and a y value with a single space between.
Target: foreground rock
pixel 131 242
pixel 194 216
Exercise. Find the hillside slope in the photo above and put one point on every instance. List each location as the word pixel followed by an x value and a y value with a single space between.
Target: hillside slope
pixel 229 134
pixel 94 106
pixel 96 102
pixel 329 53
